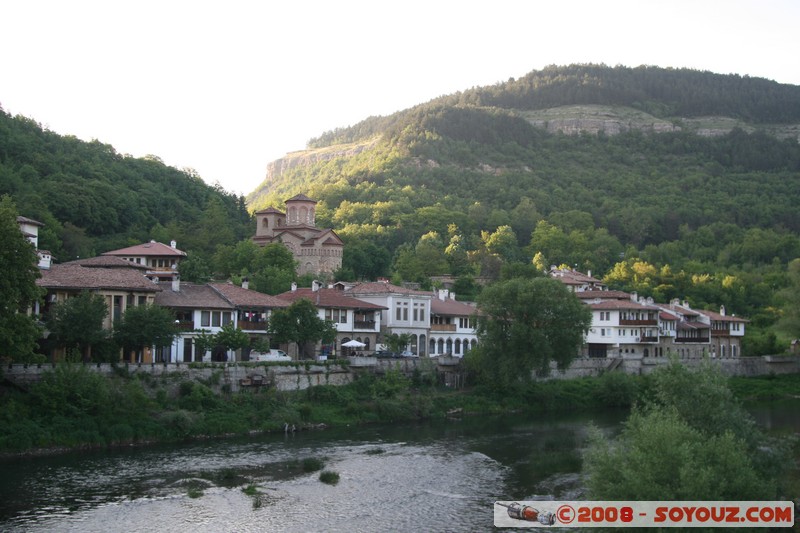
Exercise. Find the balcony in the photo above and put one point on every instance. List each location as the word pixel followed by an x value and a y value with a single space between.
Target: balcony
pixel 185 325
pixel 702 338
pixel 443 327
pixel 247 325
pixel 364 324
pixel 627 322
pixel 720 333
pixel 650 338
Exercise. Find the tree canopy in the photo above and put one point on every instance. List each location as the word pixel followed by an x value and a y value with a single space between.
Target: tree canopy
pixel 524 324
pixel 18 290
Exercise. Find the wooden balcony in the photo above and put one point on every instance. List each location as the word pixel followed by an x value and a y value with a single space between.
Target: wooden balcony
pixel 443 327
pixel 703 338
pixel 247 325
pixel 720 333
pixel 368 325
pixel 626 322
pixel 651 338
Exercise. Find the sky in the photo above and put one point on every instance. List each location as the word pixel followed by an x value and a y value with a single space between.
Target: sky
pixel 224 88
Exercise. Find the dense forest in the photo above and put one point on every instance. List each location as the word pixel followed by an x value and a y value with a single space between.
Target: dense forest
pixel 467 185
pixel 92 199
pixel 476 187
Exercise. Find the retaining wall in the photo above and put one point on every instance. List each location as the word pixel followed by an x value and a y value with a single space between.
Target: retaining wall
pixel 251 376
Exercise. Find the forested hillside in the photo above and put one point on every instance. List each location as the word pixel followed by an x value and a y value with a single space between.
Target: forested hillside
pixel 469 183
pixel 92 199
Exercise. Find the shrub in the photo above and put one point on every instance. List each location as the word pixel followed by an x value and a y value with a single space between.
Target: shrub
pixel 329 476
pixel 312 464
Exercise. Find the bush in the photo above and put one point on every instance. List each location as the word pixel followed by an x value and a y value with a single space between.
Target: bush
pixel 312 464
pixel 330 477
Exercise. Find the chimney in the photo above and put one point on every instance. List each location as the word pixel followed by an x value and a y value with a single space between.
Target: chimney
pixel 173 244
pixel 315 285
pixel 722 310
pixel 443 295
pixel 245 282
pixel 294 286
pixel 589 273
pixel 176 283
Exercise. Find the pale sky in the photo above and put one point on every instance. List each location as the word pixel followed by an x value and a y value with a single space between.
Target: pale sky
pixel 227 87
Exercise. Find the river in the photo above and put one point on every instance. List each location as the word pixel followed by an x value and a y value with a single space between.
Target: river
pixel 441 475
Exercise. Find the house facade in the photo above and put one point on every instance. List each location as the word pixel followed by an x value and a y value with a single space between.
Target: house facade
pixel 354 319
pixel 627 326
pixel 317 251
pixel 121 284
pixel 204 309
pixel 30 229
pixel 404 311
pixel 161 260
pixel 453 326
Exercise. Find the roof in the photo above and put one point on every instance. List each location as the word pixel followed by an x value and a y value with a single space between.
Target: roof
pixel 300 198
pixel 77 276
pixel 573 276
pixel 241 297
pixel 663 315
pixel 26 220
pixel 723 318
pixel 451 307
pixel 108 261
pixel 603 295
pixel 191 296
pixel 329 298
pixel 380 288
pixel 151 248
pixel 620 304
pixel 269 210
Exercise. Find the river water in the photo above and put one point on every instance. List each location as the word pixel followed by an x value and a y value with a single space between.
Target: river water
pixel 441 475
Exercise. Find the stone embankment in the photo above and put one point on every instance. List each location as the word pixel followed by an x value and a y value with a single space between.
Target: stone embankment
pixel 292 377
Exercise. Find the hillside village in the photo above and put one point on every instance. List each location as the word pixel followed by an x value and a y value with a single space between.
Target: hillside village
pixel 624 326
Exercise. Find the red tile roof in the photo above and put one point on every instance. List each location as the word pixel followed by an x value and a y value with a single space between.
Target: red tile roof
pixel 452 308
pixel 191 296
pixel 330 298
pixel 241 297
pixel 77 276
pixel 374 288
pixel 151 248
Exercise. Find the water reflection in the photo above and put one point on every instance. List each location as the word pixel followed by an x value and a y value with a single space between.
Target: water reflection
pixel 442 475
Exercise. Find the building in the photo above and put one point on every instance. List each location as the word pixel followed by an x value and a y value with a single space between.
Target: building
pixel 453 326
pixel 353 318
pixel 162 261
pixel 121 284
pixel 30 229
pixel 627 326
pixel 205 309
pixel 404 310
pixel 317 251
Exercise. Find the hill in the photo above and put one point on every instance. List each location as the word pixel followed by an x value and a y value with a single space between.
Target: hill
pixel 93 199
pixel 587 165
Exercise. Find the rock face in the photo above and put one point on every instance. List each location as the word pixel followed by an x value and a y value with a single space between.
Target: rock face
pixel 608 126
pixel 310 157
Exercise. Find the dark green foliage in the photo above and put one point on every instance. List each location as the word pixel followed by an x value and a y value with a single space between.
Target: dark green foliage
pixel 145 325
pixel 77 323
pixel 18 290
pixel 525 325
pixel 329 477
pixel 690 441
pixel 92 199
pixel 300 323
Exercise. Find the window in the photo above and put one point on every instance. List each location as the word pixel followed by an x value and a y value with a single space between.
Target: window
pixel 205 319
pixel 226 318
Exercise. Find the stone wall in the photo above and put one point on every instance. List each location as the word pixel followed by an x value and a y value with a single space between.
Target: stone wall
pixel 251 376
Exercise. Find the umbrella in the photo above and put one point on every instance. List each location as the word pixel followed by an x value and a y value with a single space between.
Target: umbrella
pixel 353 344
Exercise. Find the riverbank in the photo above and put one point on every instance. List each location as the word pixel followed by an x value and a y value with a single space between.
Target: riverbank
pixel 73 408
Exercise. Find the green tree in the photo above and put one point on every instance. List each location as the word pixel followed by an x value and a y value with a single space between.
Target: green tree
pixel 524 325
pixel 194 269
pixel 77 323
pixel 690 441
pixel 300 323
pixel 789 323
pixel 145 326
pixel 232 338
pixel 18 290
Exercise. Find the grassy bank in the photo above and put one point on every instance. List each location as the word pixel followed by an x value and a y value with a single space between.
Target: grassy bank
pixel 73 407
